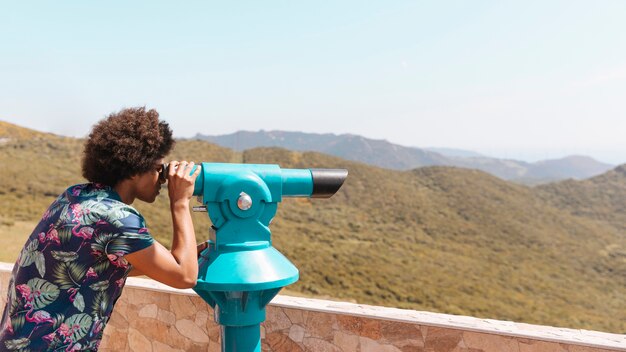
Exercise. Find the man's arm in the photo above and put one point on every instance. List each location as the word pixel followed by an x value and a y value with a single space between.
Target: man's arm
pixel 179 267
pixel 135 272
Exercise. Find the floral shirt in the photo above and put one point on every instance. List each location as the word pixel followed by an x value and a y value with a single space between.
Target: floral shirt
pixel 71 272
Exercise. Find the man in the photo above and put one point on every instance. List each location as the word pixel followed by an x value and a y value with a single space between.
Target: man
pixel 74 265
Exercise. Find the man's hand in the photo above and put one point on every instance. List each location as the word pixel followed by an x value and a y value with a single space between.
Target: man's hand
pixel 180 183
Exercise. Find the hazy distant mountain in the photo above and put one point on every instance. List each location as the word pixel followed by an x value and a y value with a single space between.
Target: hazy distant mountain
pixel 392 156
pixel 453 152
pixel 348 146
pixel 575 166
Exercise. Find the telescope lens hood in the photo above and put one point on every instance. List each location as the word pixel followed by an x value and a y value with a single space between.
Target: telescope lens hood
pixel 327 182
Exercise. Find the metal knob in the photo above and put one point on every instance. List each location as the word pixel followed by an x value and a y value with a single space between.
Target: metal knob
pixel 244 202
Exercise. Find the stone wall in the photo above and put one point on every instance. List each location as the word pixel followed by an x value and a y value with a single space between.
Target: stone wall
pixel 152 317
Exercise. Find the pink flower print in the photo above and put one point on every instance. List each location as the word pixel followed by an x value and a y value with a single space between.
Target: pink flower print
pixel 65 331
pixel 77 211
pixel 91 273
pixel 118 260
pixel 101 222
pixel 120 282
pixel 24 290
pixel 26 294
pixel 52 236
pixel 142 230
pixel 50 337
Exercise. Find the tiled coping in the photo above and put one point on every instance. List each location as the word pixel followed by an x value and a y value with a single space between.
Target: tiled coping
pixel 153 317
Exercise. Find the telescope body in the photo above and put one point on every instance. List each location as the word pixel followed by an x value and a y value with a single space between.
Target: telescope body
pixel 240 272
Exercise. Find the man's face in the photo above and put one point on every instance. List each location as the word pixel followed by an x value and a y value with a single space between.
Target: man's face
pixel 149 183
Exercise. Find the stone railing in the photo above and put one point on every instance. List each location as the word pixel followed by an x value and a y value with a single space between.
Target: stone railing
pixel 153 317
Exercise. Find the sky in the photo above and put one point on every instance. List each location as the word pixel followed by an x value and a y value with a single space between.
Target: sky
pixel 526 80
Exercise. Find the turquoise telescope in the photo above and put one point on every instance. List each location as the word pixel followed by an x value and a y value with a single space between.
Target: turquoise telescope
pixel 240 272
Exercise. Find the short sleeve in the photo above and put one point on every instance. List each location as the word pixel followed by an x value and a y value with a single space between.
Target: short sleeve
pixel 132 232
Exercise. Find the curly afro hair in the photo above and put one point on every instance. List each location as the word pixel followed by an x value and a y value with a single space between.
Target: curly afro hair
pixel 125 144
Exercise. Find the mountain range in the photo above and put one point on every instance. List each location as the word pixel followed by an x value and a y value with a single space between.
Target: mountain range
pixel 437 238
pixel 393 156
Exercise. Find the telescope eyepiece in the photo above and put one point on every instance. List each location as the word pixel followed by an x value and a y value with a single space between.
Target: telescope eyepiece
pixel 163 172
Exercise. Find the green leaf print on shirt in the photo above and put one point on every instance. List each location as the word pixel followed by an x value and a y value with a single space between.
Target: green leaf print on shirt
pixel 28 254
pixel 100 305
pixel 79 302
pixel 69 275
pixel 65 257
pixel 17 344
pixel 108 244
pixel 91 211
pixel 43 292
pixel 40 263
pixel 79 325
pixel 100 286
pixel 116 214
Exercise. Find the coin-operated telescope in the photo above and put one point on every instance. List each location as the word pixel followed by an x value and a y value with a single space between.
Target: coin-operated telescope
pixel 240 272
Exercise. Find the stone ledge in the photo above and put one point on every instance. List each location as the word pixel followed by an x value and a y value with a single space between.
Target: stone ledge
pixel 490 326
pixel 170 310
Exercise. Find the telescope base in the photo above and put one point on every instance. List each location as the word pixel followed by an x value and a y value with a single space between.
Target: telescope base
pixel 241 338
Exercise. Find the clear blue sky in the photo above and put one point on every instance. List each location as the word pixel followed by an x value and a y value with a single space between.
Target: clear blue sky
pixel 523 79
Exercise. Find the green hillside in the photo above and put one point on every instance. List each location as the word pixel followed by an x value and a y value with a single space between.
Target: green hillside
pixel 602 198
pixel 438 239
